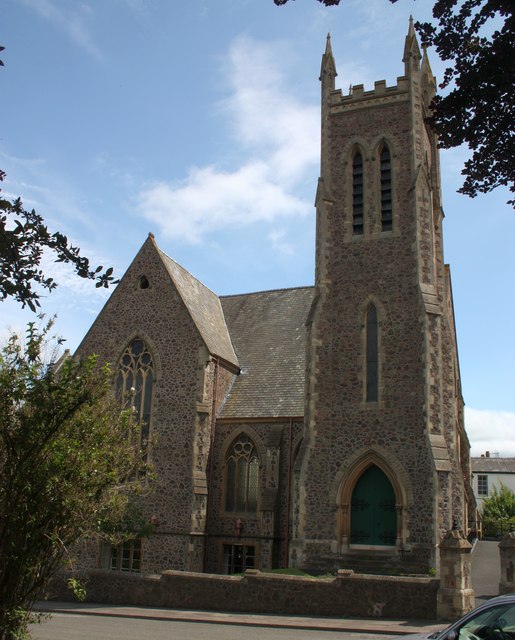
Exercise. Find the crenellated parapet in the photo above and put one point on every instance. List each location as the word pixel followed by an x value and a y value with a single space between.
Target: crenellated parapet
pixel 359 98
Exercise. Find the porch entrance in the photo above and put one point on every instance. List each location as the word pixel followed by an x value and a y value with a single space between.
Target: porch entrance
pixel 373 510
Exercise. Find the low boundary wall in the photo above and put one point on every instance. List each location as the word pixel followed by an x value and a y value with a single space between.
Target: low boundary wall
pixel 347 594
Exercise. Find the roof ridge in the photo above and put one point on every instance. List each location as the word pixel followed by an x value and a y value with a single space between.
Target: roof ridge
pixel 254 293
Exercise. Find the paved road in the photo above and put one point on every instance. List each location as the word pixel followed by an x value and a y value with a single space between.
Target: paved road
pixel 67 626
pixel 486 570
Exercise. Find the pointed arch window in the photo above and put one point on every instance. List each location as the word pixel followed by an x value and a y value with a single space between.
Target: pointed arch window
pixel 134 384
pixel 372 355
pixel 357 194
pixel 386 190
pixel 241 476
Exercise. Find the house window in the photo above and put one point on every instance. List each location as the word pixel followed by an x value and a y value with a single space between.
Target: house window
pixel 122 557
pixel 134 384
pixel 238 558
pixel 241 476
pixel 386 190
pixel 372 356
pixel 482 485
pixel 357 195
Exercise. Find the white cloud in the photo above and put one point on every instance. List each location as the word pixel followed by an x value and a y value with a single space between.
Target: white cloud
pixel 266 116
pixel 279 137
pixel 71 22
pixel 211 199
pixel 276 237
pixel 492 431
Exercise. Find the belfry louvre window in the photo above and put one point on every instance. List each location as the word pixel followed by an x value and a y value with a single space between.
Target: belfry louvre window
pixel 386 190
pixel 357 195
pixel 134 384
pixel 241 476
pixel 372 356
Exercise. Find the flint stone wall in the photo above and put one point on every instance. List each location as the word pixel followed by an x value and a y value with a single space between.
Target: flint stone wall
pixel 348 594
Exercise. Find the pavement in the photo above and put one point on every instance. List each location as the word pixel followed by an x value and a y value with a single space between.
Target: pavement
pixel 485 581
pixel 377 626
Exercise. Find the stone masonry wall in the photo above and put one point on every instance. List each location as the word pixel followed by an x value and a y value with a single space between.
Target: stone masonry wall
pixel 346 595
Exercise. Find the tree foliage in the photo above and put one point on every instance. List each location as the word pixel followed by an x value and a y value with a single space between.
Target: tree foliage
pixel 498 511
pixel 476 38
pixel 23 240
pixel 65 448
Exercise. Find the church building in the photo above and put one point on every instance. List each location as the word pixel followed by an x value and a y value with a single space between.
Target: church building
pixel 318 427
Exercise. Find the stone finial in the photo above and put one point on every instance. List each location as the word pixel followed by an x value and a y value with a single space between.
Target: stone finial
pixel 411 57
pixel 328 69
pixel 454 539
pixel 428 79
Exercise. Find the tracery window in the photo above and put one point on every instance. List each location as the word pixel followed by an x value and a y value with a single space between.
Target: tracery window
pixel 357 194
pixel 241 476
pixel 134 384
pixel 372 355
pixel 386 190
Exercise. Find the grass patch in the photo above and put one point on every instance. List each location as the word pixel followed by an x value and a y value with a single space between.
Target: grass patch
pixel 292 571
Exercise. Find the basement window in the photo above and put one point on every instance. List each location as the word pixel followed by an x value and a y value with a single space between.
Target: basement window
pixel 122 557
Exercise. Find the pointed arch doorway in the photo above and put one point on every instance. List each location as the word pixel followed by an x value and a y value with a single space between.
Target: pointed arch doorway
pixel 373 512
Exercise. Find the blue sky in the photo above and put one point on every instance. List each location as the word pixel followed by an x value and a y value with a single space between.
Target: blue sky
pixel 198 120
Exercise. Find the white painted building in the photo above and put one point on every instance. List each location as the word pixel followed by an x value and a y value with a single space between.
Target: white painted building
pixel 491 471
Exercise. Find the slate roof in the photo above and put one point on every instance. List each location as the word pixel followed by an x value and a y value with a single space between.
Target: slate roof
pixel 493 465
pixel 268 332
pixel 205 309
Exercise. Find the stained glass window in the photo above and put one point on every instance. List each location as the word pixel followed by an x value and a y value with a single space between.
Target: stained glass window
pixel 241 476
pixel 134 384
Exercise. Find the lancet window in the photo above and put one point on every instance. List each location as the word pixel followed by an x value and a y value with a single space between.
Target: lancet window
pixel 134 384
pixel 372 355
pixel 241 476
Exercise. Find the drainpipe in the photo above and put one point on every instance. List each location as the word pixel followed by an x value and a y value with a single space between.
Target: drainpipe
pixel 211 459
pixel 288 494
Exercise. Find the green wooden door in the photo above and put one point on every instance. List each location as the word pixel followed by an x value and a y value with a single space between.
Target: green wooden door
pixel 373 513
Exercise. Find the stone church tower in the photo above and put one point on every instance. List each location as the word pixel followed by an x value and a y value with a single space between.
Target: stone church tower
pixel 383 470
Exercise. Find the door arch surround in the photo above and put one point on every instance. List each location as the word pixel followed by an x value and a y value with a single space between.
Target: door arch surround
pixel 347 487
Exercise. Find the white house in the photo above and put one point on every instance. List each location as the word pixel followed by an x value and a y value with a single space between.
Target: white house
pixel 490 471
